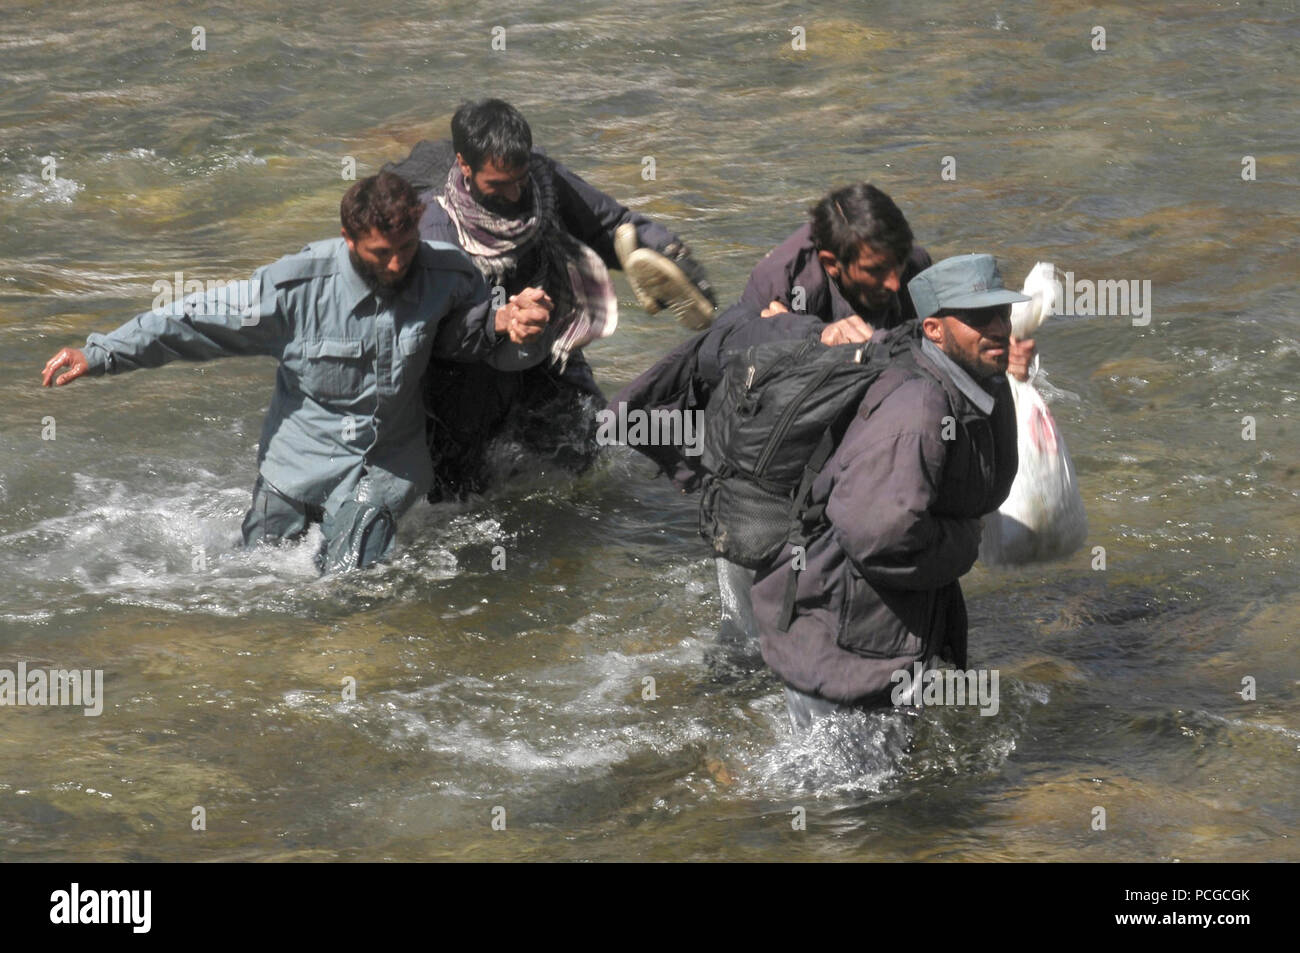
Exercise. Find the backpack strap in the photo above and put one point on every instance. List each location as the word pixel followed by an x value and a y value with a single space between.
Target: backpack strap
pixel 805 517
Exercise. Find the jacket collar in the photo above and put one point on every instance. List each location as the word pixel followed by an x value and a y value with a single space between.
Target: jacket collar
pixel 840 308
pixel 968 386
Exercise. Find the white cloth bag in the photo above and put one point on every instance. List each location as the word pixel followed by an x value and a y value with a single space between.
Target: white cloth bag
pixel 1043 517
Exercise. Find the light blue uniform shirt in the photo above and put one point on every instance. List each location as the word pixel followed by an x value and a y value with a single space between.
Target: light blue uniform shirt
pixel 347 399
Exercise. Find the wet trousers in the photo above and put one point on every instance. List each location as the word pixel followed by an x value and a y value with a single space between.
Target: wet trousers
pixel 548 414
pixel 357 533
pixel 737 628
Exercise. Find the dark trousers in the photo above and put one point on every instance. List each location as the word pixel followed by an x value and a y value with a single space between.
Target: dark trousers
pixel 549 414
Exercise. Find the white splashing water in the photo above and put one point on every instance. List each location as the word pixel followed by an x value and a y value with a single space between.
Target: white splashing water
pixel 60 191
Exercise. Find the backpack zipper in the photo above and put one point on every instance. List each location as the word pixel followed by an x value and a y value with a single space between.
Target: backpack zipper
pixel 783 424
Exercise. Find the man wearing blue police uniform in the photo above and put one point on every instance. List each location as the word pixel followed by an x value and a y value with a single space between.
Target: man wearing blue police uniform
pixel 353 321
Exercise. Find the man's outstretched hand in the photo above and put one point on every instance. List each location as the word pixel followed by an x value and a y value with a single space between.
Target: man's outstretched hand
pixel 525 315
pixel 71 358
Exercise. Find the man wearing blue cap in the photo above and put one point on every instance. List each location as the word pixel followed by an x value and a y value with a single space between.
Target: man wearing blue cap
pixel 930 451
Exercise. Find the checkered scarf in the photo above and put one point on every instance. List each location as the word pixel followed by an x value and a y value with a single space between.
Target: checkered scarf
pixel 586 308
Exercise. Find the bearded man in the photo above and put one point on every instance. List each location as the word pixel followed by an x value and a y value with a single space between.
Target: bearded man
pixel 931 450
pixel 542 239
pixel 353 322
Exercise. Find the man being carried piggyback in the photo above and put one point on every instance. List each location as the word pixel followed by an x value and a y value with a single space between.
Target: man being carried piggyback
pixel 848 265
pixel 842 276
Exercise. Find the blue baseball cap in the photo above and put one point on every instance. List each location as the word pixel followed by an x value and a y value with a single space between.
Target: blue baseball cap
pixel 963 281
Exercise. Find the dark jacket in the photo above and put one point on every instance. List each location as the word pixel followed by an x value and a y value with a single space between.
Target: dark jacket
pixel 902 506
pixel 590 215
pixel 683 379
pixel 793 263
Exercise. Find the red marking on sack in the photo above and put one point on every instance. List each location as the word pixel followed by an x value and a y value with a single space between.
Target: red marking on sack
pixel 1042 430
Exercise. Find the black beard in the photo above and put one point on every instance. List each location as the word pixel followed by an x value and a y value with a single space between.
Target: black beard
pixel 377 285
pixel 499 205
pixel 974 370
pixel 867 309
pixel 981 374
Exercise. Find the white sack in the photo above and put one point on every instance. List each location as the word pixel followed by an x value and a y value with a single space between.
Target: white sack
pixel 1043 517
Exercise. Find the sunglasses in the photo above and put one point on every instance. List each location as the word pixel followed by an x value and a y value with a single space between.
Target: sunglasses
pixel 981 317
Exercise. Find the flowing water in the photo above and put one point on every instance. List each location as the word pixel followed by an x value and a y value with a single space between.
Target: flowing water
pixel 521 693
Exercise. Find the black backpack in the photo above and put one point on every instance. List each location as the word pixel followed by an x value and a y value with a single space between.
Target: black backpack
pixel 769 428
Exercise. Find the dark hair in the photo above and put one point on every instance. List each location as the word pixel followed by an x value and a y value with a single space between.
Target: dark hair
pixel 491 129
pixel 857 214
pixel 386 202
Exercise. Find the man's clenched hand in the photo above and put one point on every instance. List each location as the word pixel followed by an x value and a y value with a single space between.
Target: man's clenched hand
pixel 1019 357
pixel 850 330
pixel 525 315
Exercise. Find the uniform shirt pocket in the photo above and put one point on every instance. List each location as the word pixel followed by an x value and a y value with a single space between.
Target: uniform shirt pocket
pixel 414 345
pixel 333 369
pixel 412 341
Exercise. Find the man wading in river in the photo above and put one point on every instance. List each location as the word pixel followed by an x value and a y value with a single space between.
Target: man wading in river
pixel 540 235
pixel 931 449
pixel 841 276
pixel 353 322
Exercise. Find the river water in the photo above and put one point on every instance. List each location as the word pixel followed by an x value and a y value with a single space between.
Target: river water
pixel 522 693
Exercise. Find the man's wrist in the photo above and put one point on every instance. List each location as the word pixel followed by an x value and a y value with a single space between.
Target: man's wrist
pixel 99 360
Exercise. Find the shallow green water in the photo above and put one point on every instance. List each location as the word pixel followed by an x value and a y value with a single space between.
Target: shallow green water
pixel 523 689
